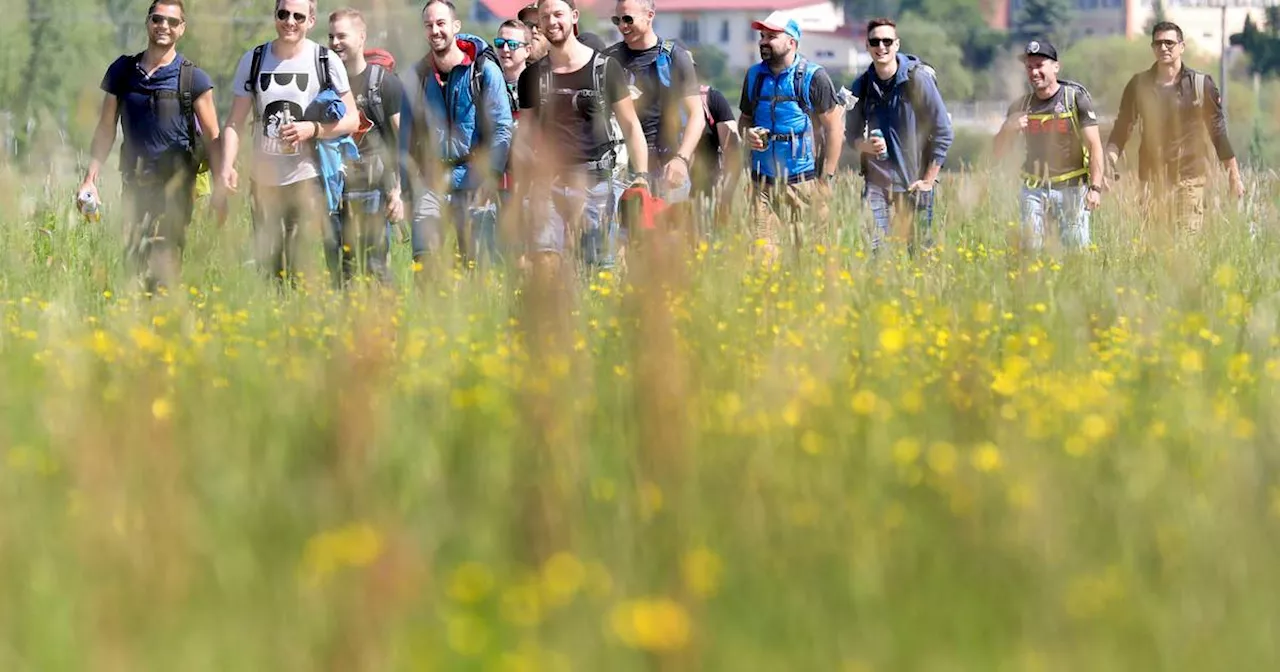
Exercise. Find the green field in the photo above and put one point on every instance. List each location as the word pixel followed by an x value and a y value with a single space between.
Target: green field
pixel 969 460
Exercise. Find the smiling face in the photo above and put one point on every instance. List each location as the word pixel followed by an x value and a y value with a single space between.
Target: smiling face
pixel 288 27
pixel 775 47
pixel 1042 72
pixel 1168 47
pixel 634 19
pixel 557 19
pixel 165 25
pixel 441 26
pixel 882 43
pixel 346 38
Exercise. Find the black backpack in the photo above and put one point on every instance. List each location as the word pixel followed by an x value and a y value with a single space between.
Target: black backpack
pixel 185 95
pixel 255 68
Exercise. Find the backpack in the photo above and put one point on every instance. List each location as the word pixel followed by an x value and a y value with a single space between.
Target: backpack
pixel 186 100
pixel 802 80
pixel 599 63
pixel 380 63
pixel 1071 92
pixel 419 121
pixel 914 96
pixel 255 68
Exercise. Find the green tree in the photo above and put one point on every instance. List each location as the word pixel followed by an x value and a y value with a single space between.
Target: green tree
pixel 1261 44
pixel 1044 19
pixel 931 42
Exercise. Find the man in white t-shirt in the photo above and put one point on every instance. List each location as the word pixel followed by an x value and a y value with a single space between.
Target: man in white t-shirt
pixel 285 188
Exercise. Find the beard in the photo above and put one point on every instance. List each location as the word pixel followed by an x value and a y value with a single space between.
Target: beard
pixel 766 53
pixel 559 40
pixel 442 49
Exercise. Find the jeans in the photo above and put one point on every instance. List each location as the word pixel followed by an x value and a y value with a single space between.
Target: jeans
pixel 473 224
pixel 887 212
pixel 159 210
pixel 1064 204
pixel 591 210
pixel 280 215
pixel 361 239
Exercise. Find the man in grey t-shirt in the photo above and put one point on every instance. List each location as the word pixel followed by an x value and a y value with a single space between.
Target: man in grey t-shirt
pixel 286 190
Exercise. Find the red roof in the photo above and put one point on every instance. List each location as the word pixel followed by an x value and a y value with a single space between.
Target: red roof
pixel 509 8
pixel 504 9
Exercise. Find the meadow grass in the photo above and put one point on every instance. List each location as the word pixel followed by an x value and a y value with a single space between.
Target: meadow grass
pixel 971 459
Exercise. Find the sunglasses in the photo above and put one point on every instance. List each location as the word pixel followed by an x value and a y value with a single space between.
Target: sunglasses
pixel 284 14
pixel 625 18
pixel 173 21
pixel 509 45
pixel 1164 44
pixel 880 41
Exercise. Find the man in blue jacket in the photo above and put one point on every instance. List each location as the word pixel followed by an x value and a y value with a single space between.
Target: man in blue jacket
pixel 902 130
pixel 786 100
pixel 459 136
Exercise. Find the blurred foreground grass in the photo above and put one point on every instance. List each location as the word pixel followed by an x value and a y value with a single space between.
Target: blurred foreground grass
pixel 970 461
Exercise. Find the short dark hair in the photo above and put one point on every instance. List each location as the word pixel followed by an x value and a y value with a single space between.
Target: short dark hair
pixel 453 9
pixel 516 24
pixel 182 8
pixel 572 3
pixel 880 23
pixel 1164 27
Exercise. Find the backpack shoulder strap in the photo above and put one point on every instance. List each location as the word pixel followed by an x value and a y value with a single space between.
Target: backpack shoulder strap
pixel 1197 81
pixel 322 67
pixel 754 96
pixel 803 79
pixel 255 69
pixel 186 86
pixel 377 111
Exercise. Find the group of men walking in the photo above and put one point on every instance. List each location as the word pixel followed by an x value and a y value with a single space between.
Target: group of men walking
pixel 549 123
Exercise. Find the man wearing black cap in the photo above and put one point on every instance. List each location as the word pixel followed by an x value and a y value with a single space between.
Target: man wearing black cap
pixel 1182 122
pixel 1062 171
pixel 528 15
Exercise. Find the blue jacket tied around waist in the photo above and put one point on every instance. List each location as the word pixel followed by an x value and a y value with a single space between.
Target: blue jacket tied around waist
pixel 911 114
pixel 781 104
pixel 328 108
pixel 455 126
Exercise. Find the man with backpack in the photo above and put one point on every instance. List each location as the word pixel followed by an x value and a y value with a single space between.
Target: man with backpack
pixel 279 81
pixel 371 194
pixel 164 104
pixel 1063 170
pixel 1182 121
pixel 668 104
pixel 785 100
pixel 459 136
pixel 901 129
pixel 716 168
pixel 577 112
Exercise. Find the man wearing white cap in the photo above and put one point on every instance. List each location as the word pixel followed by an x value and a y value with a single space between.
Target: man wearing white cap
pixel 783 97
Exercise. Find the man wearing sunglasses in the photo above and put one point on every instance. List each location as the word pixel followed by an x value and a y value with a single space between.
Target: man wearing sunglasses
pixel 902 132
pixel 538 46
pixel 459 138
pixel 669 104
pixel 163 104
pixel 278 81
pixel 788 105
pixel 1182 121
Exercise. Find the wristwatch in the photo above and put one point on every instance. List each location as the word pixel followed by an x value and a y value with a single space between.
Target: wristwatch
pixel 829 178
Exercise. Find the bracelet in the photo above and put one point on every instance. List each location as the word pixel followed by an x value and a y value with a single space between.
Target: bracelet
pixel 686 161
pixel 318 129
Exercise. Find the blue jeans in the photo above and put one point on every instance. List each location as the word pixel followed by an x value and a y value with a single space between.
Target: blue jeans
pixel 1066 205
pixel 473 225
pixel 592 210
pixel 887 204
pixel 361 238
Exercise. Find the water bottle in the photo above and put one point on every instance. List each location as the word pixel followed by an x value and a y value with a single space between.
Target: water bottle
pixel 884 154
pixel 89 206
pixel 845 98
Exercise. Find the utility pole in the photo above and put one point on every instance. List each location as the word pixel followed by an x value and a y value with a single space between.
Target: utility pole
pixel 1226 45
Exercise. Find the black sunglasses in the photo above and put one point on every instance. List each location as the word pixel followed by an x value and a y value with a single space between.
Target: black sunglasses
pixel 1164 43
pixel 880 41
pixel 504 43
pixel 625 18
pixel 284 14
pixel 173 21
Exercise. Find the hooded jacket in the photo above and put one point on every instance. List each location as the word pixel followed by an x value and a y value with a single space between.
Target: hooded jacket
pixel 911 114
pixel 454 130
pixel 330 154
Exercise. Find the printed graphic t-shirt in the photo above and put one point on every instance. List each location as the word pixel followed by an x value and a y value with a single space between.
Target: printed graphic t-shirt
pixel 285 88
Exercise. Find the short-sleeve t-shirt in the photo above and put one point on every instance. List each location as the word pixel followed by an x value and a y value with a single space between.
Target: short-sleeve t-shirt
pixel 152 126
pixel 576 121
pixel 1053 147
pixel 285 89
pixel 657 102
pixel 371 141
pixel 705 168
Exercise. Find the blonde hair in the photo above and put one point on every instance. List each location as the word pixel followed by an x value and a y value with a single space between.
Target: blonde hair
pixel 347 13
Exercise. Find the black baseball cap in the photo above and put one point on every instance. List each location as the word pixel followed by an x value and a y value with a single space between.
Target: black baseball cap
pixel 528 13
pixel 1040 48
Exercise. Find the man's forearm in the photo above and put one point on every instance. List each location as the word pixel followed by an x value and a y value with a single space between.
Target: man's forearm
pixel 931 173
pixel 230 146
pixel 1232 167
pixel 103 140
